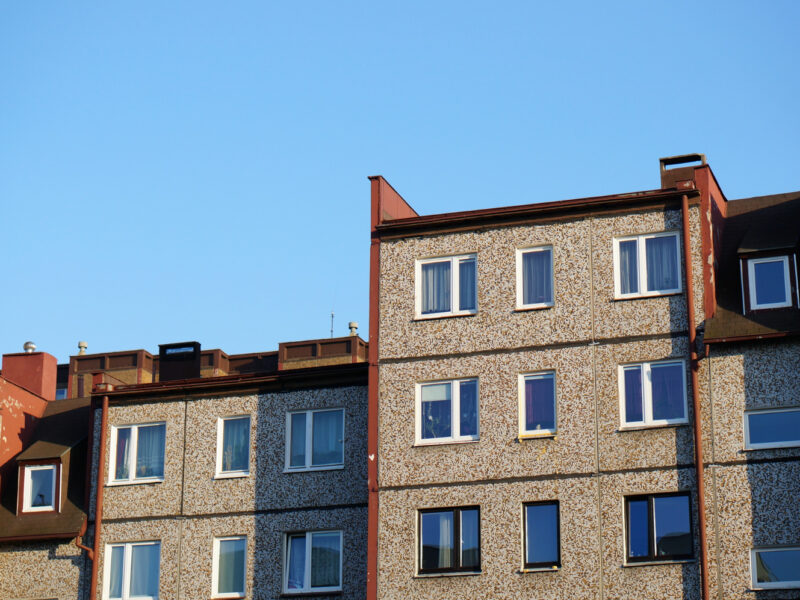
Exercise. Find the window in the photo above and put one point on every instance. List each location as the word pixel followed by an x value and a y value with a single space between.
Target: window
pixel 535 277
pixel 776 568
pixel 778 428
pixel 447 411
pixel 769 282
pixel 653 393
pixel 228 577
pixel 40 488
pixel 315 439
pixel 61 393
pixel 537 404
pixel 449 540
pixel 233 446
pixel 647 265
pixel 659 527
pixel 446 286
pixel 542 545
pixel 313 562
pixel 131 570
pixel 137 453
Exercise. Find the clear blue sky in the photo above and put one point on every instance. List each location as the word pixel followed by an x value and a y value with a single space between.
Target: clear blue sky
pixel 175 171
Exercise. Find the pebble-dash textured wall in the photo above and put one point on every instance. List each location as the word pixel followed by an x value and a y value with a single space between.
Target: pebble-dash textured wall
pixel 42 570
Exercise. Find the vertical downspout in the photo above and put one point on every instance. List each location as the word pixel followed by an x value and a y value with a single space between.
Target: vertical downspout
pixel 698 436
pixel 98 499
pixel 88 487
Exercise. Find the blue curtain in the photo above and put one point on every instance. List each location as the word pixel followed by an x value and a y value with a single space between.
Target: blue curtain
pixel 468 401
pixel 236 444
pixel 540 403
pixel 327 438
pixel 325 559
pixel 466 285
pixel 297 452
pixel 436 287
pixel 144 570
pixel 634 412
pixel 230 568
pixel 295 572
pixel 662 264
pixel 537 277
pixel 667 389
pixel 150 451
pixel 628 267
pixel 115 576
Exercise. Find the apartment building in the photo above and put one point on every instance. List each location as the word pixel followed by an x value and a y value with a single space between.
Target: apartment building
pixel 545 418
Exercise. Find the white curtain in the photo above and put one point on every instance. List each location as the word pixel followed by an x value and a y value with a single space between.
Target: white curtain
pixel 150 451
pixel 436 287
pixel 325 559
pixel 122 470
pixel 295 573
pixel 662 268
pixel 537 278
pixel 144 570
pixel 628 268
pixel 230 569
pixel 436 411
pixel 115 576
pixel 236 444
pixel 445 540
pixel 327 438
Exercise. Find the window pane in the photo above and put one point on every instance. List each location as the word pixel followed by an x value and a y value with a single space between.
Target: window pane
pixel 144 570
pixel 150 451
pixel 470 548
pixel 466 284
pixel 115 573
pixel 673 532
pixel 638 529
pixel 325 557
pixel 541 533
pixel 230 570
pixel 41 492
pixel 777 566
pixel 537 278
pixel 540 405
pixel 436 411
pixel 770 283
pixel 662 264
pixel 437 540
pixel 774 427
pixel 435 287
pixel 121 471
pixel 634 412
pixel 236 444
pixel 628 267
pixel 296 555
pixel 297 451
pixel 667 390
pixel 468 398
pixel 328 429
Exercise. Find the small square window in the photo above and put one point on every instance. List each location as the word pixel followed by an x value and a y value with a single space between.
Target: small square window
pixel 449 540
pixel 312 562
pixel 61 393
pixel 137 453
pixel 778 428
pixel 132 571
pixel 653 393
pixel 446 286
pixel 233 446
pixel 647 265
pixel 775 568
pixel 535 277
pixel 447 411
pixel 537 404
pixel 769 282
pixel 230 565
pixel 658 527
pixel 542 543
pixel 315 440
pixel 40 488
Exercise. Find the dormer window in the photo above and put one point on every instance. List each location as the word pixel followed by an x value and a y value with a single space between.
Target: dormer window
pixel 40 488
pixel 769 282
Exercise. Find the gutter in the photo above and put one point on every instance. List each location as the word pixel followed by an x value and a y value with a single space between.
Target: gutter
pixel 698 435
pixel 98 503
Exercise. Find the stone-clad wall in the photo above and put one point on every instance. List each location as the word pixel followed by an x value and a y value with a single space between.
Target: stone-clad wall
pixel 42 570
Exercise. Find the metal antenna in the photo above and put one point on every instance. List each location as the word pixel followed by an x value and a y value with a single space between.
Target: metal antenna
pixel 331 323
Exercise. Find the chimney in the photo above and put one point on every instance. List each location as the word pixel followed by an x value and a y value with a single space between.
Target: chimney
pixel 680 177
pixel 34 371
pixel 178 361
pixel 353 325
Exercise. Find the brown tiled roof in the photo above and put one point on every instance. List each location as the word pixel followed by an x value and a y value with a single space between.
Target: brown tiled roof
pixel 760 224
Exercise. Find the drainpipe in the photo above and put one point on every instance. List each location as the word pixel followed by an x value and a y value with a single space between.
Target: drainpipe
pixel 98 502
pixel 89 452
pixel 698 435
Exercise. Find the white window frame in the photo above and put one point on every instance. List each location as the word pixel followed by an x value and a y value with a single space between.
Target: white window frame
pixel 780 585
pixel 787 444
pixel 126 569
pixel 27 487
pixel 524 433
pixel 307 575
pixel 215 569
pixel 647 395
pixel 112 470
pixel 751 281
pixel 219 473
pixel 310 441
pixel 454 286
pixel 520 280
pixel 455 413
pixel 641 260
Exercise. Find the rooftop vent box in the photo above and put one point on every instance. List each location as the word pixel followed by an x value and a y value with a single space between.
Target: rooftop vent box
pixel 178 361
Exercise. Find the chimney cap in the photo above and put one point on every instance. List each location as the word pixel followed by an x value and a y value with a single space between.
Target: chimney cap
pixel 82 346
pixel 29 347
pixel 353 325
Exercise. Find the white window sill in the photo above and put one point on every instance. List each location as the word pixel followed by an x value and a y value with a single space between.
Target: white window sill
pixel 648 295
pixel 545 435
pixel 315 592
pixel 231 475
pixel 309 469
pixel 39 509
pixel 215 596
pixel 454 574
pixel 787 586
pixel 778 446
pixel 624 428
pixel 526 308
pixel 539 570
pixel 444 442
pixel 134 482
pixel 444 315
pixel 652 563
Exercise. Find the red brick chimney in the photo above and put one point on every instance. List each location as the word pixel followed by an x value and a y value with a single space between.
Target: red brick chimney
pixel 34 371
